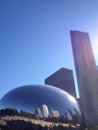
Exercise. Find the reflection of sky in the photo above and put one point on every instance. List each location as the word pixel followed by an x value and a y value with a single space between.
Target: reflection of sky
pixel 31 97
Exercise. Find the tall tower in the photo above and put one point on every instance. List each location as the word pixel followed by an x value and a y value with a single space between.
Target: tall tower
pixel 86 73
pixel 45 110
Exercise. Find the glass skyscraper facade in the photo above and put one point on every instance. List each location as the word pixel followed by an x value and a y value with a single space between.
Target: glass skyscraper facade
pixel 86 73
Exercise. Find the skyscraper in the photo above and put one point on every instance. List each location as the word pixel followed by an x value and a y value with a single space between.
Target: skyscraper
pixel 38 112
pixel 55 113
pixel 63 78
pixel 45 110
pixel 86 73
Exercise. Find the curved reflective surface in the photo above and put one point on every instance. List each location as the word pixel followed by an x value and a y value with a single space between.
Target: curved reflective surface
pixel 43 100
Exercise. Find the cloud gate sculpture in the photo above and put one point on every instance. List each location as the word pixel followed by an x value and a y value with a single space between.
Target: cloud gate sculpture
pixel 42 100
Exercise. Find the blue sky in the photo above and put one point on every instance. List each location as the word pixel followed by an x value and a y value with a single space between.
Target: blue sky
pixel 35 40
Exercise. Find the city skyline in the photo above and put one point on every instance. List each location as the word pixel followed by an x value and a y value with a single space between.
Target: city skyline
pixel 35 40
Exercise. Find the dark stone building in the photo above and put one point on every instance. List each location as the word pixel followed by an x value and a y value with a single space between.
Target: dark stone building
pixel 63 78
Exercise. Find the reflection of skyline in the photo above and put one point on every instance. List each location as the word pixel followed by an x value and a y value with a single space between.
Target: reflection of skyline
pixel 43 100
pixel 47 94
pixel 56 114
pixel 38 112
pixel 45 110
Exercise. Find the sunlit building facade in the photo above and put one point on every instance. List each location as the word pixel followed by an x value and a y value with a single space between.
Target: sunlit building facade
pixel 38 112
pixel 45 110
pixel 55 113
pixel 63 78
pixel 86 73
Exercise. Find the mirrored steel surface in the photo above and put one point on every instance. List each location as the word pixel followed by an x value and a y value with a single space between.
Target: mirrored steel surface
pixel 44 100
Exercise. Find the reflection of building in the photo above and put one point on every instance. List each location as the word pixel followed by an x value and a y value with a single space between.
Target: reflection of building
pixel 63 79
pixel 86 73
pixel 38 112
pixel 45 110
pixel 55 113
pixel 31 97
pixel 69 117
